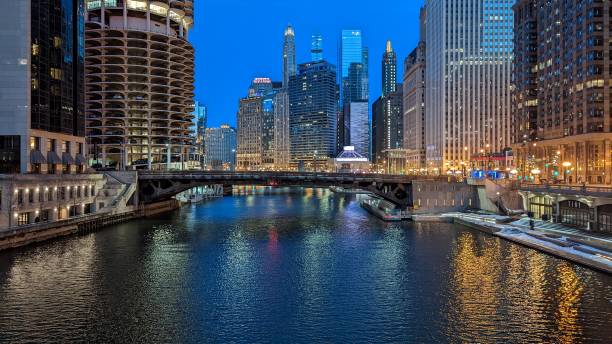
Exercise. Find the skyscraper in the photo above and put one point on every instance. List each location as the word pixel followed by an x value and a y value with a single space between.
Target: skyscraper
pixel 256 113
pixel 389 69
pixel 313 102
pixel 387 111
pixel 249 154
pixel 469 64
pixel 282 142
pixel 220 148
pixel 387 124
pixel 414 103
pixel 562 115
pixel 353 63
pixel 42 117
pixel 201 118
pixel 140 74
pixel 289 65
pixel 316 48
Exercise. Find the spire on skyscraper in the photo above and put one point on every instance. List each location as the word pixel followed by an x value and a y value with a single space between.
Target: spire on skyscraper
pixel 289 65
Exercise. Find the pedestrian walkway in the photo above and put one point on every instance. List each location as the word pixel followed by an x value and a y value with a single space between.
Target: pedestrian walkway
pixel 563 230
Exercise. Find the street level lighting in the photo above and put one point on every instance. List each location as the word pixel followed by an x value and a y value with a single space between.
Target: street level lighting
pixel 567 171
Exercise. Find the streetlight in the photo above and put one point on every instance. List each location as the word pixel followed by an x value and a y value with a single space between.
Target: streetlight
pixel 536 172
pixel 566 167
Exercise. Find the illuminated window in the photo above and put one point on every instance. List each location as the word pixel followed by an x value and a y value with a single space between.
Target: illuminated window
pixel 35 84
pixel 137 5
pixel 35 49
pixel 175 17
pixel 159 10
pixel 56 73
pixel 57 42
pixel 94 4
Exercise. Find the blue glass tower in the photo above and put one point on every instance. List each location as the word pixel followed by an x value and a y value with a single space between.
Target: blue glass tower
pixel 316 48
pixel 354 89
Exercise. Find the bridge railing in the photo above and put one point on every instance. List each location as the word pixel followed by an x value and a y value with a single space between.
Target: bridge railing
pixel 281 175
pixel 568 189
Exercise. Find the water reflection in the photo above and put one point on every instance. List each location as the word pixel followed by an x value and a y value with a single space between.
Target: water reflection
pixel 298 266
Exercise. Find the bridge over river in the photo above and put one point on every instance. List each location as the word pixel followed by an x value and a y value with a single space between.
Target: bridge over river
pixel 158 186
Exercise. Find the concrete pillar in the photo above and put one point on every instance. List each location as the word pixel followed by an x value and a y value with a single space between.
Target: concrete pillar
pixel 102 14
pixel 148 17
pixel 595 223
pixel 125 16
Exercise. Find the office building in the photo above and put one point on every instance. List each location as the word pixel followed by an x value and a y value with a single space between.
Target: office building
pixel 256 117
pixel 387 124
pixel 414 104
pixel 42 121
pixel 220 148
pixel 387 111
pixel 360 127
pixel 353 79
pixel 282 142
pixel 313 103
pixel 469 63
pixel 140 74
pixel 249 154
pixel 201 117
pixel 562 91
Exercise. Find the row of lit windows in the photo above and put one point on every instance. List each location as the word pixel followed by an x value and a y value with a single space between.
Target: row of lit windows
pixel 47 194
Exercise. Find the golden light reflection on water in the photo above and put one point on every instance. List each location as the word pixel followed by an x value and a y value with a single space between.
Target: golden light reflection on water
pixel 475 284
pixel 568 296
pixel 519 285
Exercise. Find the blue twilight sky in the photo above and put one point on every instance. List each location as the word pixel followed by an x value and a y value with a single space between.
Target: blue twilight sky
pixel 237 40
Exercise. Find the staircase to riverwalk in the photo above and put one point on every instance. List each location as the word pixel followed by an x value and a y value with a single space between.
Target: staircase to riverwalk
pixel 118 193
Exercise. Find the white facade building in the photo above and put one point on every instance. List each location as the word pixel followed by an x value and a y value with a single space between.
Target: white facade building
pixel 469 64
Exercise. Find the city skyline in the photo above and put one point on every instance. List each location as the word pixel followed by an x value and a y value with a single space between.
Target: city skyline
pixel 266 38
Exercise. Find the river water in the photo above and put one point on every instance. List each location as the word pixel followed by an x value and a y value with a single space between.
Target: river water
pixel 299 266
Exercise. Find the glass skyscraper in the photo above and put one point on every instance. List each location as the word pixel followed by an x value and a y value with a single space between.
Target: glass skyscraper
pixel 353 62
pixel 42 117
pixel 313 102
pixel 220 148
pixel 468 76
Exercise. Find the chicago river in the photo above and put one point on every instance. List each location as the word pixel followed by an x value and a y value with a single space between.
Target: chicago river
pixel 295 265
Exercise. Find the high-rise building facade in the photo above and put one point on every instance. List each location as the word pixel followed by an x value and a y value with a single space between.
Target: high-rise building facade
pixel 414 104
pixel 42 120
pixel 360 127
pixel 201 118
pixel 313 102
pixel 139 84
pixel 353 79
pixel 469 63
pixel 387 123
pixel 256 132
pixel 562 96
pixel 389 70
pixel 220 148
pixel 289 65
pixel 282 143
pixel 249 154
pixel 387 111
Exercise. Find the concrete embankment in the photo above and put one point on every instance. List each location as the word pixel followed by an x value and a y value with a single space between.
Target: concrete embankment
pixel 46 231
pixel 566 247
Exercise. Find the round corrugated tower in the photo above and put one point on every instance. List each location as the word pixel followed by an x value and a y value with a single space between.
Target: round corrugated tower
pixel 139 82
